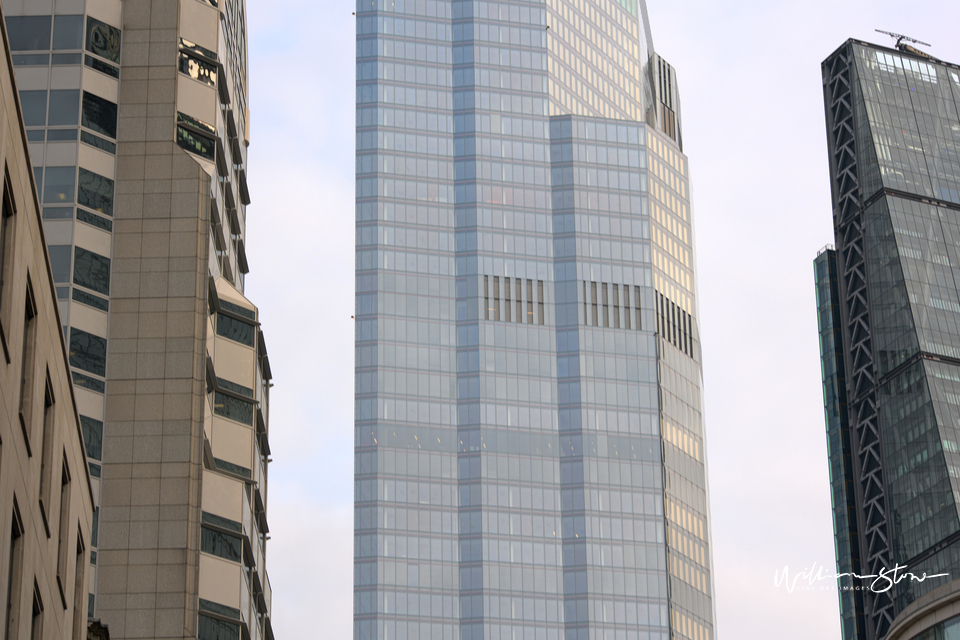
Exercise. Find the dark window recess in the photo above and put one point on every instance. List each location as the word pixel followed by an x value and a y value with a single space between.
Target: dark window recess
pixel 92 436
pixel 221 544
pixel 36 135
pixel 68 32
pixel 220 521
pixel 57 213
pixel 28 33
pixel 219 609
pixel 98 142
pixel 216 629
pixel 86 382
pixel 230 467
pixel 103 40
pixel 236 330
pixel 236 388
pixel 91 218
pixel 195 143
pixel 34 105
pixel 233 408
pixel 95 472
pixel 91 300
pixel 236 309
pixel 88 352
pixel 99 114
pixel 91 270
pixel 95 527
pixel 60 261
pixel 102 67
pixel 95 191
pixel 198 69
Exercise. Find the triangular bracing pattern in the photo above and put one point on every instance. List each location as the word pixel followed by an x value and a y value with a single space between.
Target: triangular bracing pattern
pixel 861 381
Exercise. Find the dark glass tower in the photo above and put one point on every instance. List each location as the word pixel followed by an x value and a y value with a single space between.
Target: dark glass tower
pixel 889 312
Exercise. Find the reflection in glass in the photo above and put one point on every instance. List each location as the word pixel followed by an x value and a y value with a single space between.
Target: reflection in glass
pixel 88 352
pixel 198 69
pixel 92 436
pixel 95 191
pixel 58 186
pixel 99 114
pixel 196 143
pixel 92 271
pixel 103 40
pixel 34 105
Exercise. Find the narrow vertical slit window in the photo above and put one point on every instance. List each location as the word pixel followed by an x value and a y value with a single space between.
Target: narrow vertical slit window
pixel 46 454
pixel 36 623
pixel 636 305
pixel 5 228
pixel 506 299
pixel 519 317
pixel 27 361
pixel 64 532
pixel 79 628
pixel 593 302
pixel 606 306
pixel 540 301
pixel 486 297
pixel 14 574
pixel 529 301
pixel 626 306
pixel 616 306
pixel 496 298
pixel 586 305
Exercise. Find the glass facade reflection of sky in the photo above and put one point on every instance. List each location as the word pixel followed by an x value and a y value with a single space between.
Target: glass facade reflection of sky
pixel 529 450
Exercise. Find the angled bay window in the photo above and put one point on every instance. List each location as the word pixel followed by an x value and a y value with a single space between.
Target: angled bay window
pixel 235 329
pixel 91 270
pixel 196 136
pixel 99 114
pixel 59 184
pixel 88 352
pixel 220 543
pixel 28 33
pixel 103 40
pixel 198 69
pixel 68 32
pixel 95 191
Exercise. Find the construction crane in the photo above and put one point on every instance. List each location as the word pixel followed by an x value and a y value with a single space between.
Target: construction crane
pixel 902 46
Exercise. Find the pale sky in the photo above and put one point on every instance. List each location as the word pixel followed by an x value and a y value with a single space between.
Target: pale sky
pixel 752 107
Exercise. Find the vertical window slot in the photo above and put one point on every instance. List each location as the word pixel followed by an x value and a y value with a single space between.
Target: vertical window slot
pixel 496 298
pixel 506 299
pixel 540 300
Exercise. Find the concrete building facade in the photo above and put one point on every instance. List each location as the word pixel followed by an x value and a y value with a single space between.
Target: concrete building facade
pixel 46 496
pixel 138 122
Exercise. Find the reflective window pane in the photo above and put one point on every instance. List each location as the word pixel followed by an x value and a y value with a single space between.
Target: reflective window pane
pixel 60 261
pixel 92 271
pixel 58 188
pixel 95 191
pixel 88 352
pixel 103 40
pixel 34 105
pixel 68 32
pixel 64 107
pixel 99 114
pixel 28 33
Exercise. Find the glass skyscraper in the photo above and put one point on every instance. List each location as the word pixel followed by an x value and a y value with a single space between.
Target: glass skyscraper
pixel 889 311
pixel 530 458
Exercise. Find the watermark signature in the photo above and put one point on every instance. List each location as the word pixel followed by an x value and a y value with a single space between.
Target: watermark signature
pixel 878 583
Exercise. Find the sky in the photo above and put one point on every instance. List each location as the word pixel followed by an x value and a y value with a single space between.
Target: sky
pixel 753 129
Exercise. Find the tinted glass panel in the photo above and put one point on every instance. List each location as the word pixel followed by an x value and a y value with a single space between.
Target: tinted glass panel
pixel 66 58
pixel 95 191
pixel 214 629
pixel 88 352
pixel 196 143
pixel 80 380
pixel 103 40
pixel 57 213
pixel 28 33
pixel 234 329
pixel 34 105
pixel 64 107
pixel 102 67
pixel 233 408
pixel 99 114
pixel 91 270
pixel 60 261
pixel 31 59
pixel 68 32
pixel 198 69
pixel 92 436
pixel 91 218
pixel 58 188
pixel 62 134
pixel 98 142
pixel 89 299
pixel 221 544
